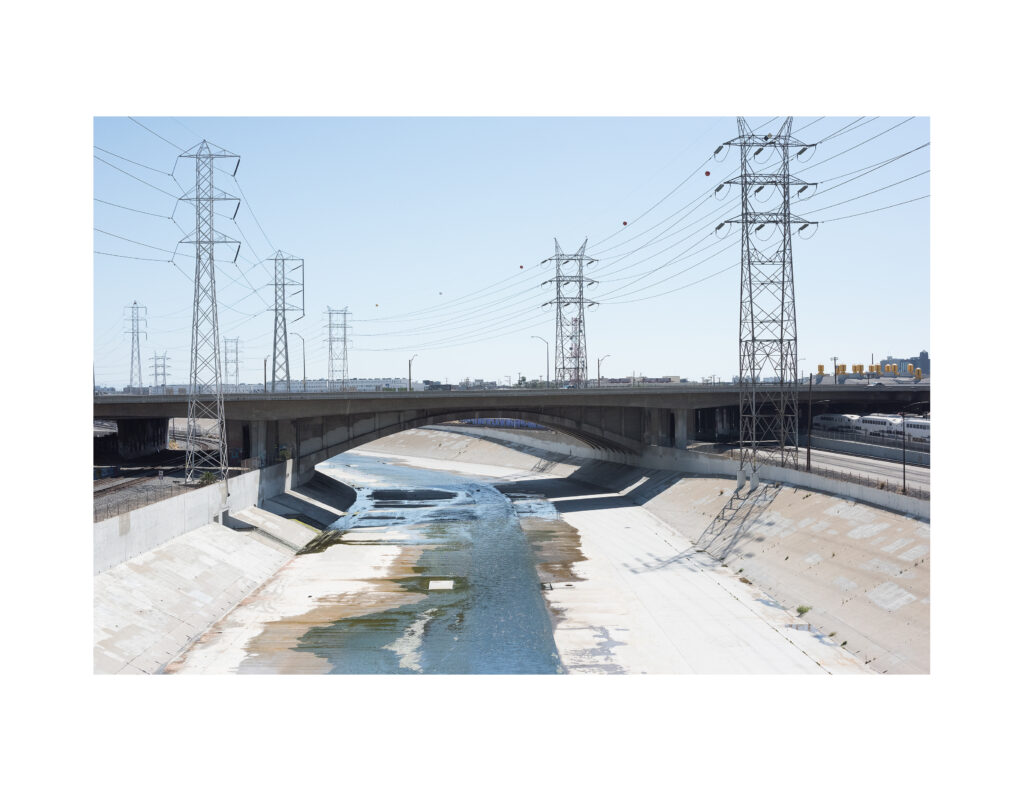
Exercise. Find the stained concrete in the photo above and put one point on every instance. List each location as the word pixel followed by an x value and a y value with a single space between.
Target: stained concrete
pixel 863 571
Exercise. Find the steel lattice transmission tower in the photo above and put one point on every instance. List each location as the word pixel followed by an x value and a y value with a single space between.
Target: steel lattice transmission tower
pixel 570 320
pixel 159 367
pixel 231 362
pixel 135 377
pixel 767 337
pixel 285 267
pixel 206 451
pixel 337 348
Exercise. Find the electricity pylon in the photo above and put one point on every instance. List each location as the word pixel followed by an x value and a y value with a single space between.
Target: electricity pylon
pixel 570 320
pixel 135 377
pixel 284 280
pixel 767 337
pixel 206 451
pixel 337 348
pixel 159 367
pixel 231 362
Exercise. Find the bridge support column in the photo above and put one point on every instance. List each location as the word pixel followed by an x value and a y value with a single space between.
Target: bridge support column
pixel 681 422
pixel 138 437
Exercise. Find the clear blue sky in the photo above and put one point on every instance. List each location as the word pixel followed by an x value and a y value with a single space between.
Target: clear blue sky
pixel 402 215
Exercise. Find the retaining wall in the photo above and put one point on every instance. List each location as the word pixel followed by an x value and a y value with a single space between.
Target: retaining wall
pixel 125 536
pixel 675 460
pixel 916 457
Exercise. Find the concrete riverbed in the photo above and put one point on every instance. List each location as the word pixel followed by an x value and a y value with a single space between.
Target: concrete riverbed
pixel 463 556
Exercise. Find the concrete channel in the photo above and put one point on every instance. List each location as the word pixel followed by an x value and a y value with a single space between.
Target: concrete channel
pixel 438 551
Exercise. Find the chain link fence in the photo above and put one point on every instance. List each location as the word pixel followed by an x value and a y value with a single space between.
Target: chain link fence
pixel 121 502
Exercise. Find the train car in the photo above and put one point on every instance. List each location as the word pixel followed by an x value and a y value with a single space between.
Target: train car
pixel 881 425
pixel 918 429
pixel 835 422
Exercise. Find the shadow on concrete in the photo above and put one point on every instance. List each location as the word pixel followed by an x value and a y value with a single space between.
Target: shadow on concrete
pixel 329 491
pixel 734 520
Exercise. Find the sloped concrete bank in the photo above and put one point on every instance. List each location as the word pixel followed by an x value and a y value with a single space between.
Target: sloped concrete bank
pixel 863 571
pixel 152 606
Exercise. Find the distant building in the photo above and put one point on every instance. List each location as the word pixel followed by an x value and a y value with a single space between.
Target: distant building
pixel 921 361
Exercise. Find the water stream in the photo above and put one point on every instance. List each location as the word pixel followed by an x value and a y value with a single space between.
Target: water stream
pixel 479 607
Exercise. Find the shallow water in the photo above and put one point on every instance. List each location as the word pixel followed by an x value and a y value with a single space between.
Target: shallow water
pixel 493 619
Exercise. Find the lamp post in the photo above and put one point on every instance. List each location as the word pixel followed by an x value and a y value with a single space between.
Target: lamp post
pixel 410 370
pixel 265 372
pixel 303 359
pixel 810 411
pixel 599 368
pixel 547 360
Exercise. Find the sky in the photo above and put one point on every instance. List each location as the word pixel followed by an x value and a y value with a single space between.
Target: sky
pixel 432 230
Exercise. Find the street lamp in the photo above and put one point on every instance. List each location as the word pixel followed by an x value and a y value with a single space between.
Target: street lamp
pixel 265 373
pixel 599 368
pixel 810 411
pixel 547 359
pixel 410 370
pixel 303 359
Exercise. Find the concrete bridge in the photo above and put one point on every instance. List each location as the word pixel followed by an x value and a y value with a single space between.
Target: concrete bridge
pixel 312 427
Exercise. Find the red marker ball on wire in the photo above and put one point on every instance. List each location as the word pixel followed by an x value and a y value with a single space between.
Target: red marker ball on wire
pixel 623 222
pixel 707 172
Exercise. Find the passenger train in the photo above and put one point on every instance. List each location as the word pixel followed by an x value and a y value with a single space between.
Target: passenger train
pixel 875 425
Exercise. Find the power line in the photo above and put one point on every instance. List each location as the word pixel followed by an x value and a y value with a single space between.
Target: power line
pixel 132 175
pixel 872 192
pixel 119 156
pixel 172 145
pixel 141 244
pixel 129 208
pixel 872 211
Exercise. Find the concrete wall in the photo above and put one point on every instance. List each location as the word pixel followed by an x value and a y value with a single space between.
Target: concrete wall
pixel 675 460
pixel 918 457
pixel 125 536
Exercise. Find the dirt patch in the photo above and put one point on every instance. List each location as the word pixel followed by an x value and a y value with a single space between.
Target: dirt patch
pixel 556 547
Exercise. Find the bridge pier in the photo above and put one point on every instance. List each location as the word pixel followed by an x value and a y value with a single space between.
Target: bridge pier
pixel 137 437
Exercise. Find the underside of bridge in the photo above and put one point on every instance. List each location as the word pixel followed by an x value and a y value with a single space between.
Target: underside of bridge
pixel 625 430
pixel 310 430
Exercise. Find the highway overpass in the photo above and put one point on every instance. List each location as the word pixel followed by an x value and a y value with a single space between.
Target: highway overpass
pixel 312 427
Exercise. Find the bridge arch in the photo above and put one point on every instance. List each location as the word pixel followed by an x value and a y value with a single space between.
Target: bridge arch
pixel 336 435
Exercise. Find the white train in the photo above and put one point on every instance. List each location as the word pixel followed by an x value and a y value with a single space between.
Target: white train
pixel 875 425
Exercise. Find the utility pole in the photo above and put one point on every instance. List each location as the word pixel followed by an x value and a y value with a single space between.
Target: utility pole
pixel 570 324
pixel 337 347
pixel 206 392
pixel 835 376
pixel 159 367
pixel 135 377
pixel 284 279
pixel 767 329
